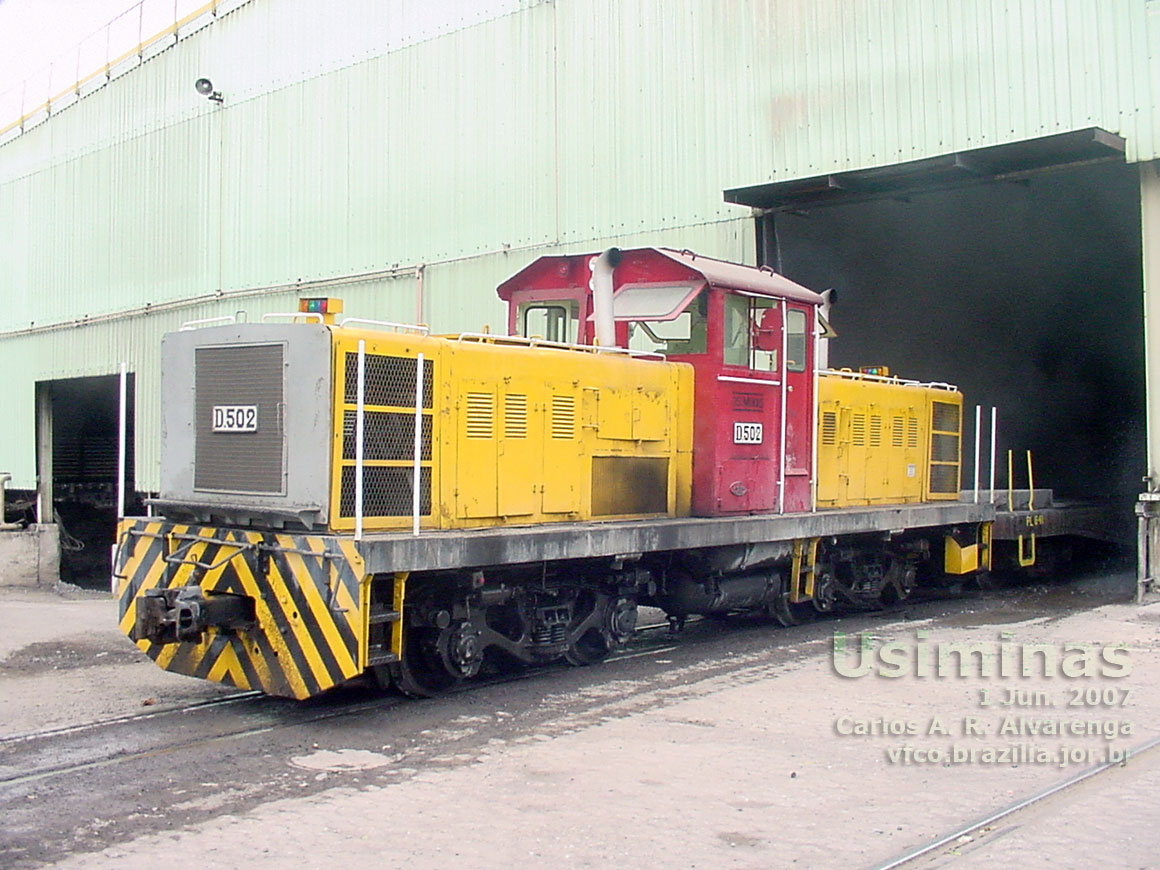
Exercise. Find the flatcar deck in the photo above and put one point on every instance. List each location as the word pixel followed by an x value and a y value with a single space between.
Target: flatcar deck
pixel 441 550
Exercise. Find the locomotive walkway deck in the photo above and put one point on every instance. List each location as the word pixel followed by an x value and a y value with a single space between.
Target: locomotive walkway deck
pixel 511 545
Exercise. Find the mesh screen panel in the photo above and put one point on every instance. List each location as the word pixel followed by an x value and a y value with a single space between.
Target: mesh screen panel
pixel 386 435
pixel 238 461
pixel 390 381
pixel 945 417
pixel 386 491
pixel 944 448
pixel 944 478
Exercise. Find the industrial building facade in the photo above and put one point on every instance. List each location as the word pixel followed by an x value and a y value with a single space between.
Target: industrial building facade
pixel 978 179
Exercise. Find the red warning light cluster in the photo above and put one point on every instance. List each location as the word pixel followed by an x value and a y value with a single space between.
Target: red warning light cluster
pixel 320 305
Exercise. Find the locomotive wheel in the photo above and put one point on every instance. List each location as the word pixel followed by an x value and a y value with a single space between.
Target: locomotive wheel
pixel 423 672
pixel 825 592
pixel 897 587
pixel 789 614
pixel 610 624
pixel 984 581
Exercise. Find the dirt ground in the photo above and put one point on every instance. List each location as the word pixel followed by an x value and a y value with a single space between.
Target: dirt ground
pixel 63 661
pixel 734 757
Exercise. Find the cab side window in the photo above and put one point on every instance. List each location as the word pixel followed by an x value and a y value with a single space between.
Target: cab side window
pixel 556 321
pixel 795 345
pixel 752 335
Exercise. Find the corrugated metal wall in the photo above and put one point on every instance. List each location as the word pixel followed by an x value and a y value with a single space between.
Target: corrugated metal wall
pixel 474 135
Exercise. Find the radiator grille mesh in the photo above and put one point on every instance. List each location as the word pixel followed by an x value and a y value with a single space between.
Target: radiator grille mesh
pixel 944 448
pixel 944 417
pixel 387 435
pixel 386 491
pixel 239 461
pixel 390 381
pixel 944 478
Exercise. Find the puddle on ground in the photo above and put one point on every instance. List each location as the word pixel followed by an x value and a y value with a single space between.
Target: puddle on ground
pixel 340 760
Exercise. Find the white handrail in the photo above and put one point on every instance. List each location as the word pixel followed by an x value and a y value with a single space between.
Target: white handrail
pixel 416 468
pixel 784 399
pixel 420 328
pixel 994 421
pixel 817 404
pixel 193 324
pixel 904 382
pixel 315 314
pixel 978 437
pixel 520 340
pixel 359 415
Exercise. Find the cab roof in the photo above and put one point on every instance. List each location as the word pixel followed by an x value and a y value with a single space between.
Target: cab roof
pixel 664 265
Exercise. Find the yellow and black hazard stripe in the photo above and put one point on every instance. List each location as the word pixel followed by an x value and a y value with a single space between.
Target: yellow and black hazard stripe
pixel 308 593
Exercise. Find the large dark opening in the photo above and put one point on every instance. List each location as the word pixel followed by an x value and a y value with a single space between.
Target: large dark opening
pixel 1026 292
pixel 84 415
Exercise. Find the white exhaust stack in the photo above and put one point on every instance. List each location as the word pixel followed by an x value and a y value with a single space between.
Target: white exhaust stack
pixel 829 297
pixel 601 286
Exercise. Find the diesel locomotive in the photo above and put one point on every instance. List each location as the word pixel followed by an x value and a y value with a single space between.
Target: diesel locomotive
pixel 343 498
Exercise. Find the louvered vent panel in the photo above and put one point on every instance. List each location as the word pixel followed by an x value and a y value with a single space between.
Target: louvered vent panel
pixel 912 432
pixel 875 430
pixel 829 427
pixel 515 415
pixel 480 415
pixel 896 432
pixel 563 417
pixel 858 430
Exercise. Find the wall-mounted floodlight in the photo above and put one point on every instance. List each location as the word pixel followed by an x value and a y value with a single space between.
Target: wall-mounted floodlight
pixel 205 88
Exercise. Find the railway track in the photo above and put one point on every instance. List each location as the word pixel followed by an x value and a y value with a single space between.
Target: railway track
pixel 92 744
pixel 259 714
pixel 1070 786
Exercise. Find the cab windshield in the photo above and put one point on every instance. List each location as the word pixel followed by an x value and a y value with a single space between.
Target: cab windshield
pixel 668 319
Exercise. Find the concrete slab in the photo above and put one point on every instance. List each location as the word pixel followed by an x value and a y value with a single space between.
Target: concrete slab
pixel 31 556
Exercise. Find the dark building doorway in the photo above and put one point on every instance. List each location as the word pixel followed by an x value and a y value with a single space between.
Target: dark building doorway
pixel 1024 290
pixel 82 419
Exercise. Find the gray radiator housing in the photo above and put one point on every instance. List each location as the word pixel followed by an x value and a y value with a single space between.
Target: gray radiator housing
pixel 275 475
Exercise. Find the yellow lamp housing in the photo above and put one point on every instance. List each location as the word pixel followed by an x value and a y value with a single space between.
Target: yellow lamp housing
pixel 327 306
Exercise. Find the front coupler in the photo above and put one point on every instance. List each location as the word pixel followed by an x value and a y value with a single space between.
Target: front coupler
pixel 185 612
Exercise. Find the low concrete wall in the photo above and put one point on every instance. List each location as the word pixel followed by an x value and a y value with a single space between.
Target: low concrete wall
pixel 31 556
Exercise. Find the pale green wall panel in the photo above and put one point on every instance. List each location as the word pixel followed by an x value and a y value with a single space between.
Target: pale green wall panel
pixel 470 136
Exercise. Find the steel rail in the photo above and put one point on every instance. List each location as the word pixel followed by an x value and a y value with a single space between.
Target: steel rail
pixel 380 702
pixel 1011 809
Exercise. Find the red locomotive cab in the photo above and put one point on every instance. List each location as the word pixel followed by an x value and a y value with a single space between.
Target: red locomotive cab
pixel 750 335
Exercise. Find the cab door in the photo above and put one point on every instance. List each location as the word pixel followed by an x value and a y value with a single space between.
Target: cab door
pixel 801 330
